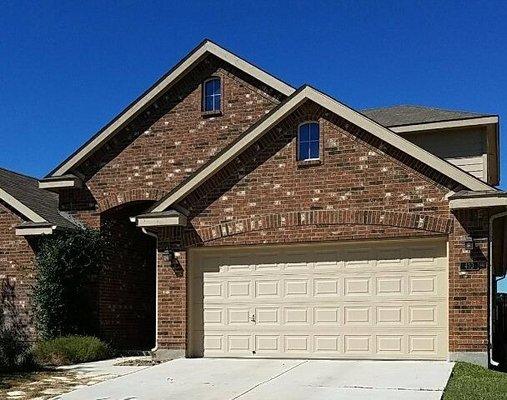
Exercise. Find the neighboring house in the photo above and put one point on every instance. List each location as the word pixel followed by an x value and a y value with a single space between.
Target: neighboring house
pixel 258 220
pixel 25 213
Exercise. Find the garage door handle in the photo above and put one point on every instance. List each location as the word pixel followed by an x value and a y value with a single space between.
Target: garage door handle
pixel 252 318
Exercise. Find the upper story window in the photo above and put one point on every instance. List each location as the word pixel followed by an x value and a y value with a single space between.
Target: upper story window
pixel 308 141
pixel 212 95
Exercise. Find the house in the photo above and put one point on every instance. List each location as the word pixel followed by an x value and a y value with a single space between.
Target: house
pixel 25 213
pixel 261 220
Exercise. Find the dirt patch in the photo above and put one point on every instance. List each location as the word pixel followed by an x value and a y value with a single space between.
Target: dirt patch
pixel 139 363
pixel 43 385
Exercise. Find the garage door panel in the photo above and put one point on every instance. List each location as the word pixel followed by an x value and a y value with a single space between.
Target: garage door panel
pixel 326 316
pixel 379 301
pixel 239 289
pixel 238 316
pixel 326 287
pixel 297 288
pixel 390 285
pixel 357 286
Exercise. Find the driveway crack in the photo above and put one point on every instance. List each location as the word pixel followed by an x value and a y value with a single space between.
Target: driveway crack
pixel 269 380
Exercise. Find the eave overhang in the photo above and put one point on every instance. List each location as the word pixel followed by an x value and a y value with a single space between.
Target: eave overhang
pixel 160 219
pixel 35 229
pixel 468 199
pixel 54 183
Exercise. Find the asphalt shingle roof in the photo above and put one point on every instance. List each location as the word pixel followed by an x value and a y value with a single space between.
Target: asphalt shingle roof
pixel 408 115
pixel 26 190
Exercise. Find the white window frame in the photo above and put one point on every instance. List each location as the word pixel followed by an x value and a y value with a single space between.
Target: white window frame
pixel 312 121
pixel 212 78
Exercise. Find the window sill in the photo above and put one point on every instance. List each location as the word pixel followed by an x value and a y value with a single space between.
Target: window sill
pixel 309 163
pixel 214 113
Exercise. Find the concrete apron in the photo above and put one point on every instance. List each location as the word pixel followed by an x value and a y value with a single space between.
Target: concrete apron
pixel 247 379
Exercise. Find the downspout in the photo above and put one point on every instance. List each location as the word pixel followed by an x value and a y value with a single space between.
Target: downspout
pixel 491 286
pixel 156 285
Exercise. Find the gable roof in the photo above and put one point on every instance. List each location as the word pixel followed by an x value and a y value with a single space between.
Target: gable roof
pixel 39 206
pixel 411 115
pixel 207 47
pixel 291 103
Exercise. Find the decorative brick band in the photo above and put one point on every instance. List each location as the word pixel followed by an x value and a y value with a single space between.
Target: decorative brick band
pixel 327 217
pixel 116 199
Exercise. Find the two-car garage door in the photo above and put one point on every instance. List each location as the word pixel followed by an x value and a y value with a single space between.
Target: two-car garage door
pixel 383 300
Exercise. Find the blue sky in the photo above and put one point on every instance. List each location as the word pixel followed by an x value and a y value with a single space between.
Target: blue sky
pixel 67 68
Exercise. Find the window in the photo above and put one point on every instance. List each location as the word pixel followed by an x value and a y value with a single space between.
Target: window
pixel 309 141
pixel 212 94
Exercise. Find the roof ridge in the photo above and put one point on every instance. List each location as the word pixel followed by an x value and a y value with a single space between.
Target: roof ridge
pixel 18 173
pixel 422 107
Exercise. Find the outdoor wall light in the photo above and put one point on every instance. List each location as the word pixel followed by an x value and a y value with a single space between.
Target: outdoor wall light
pixel 469 244
pixel 168 254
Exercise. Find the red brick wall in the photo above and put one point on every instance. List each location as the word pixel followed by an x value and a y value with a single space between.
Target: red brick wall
pixel 394 195
pixel 126 295
pixel 159 149
pixel 468 292
pixel 17 272
pixel 266 187
pixel 169 141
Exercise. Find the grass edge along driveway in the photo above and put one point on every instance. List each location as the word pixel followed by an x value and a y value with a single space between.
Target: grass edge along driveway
pixel 470 381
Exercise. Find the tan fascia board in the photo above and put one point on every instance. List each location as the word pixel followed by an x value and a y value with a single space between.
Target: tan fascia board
pixel 461 123
pixel 20 207
pixel 478 202
pixel 188 63
pixel 35 231
pixel 60 184
pixel 172 220
pixel 309 93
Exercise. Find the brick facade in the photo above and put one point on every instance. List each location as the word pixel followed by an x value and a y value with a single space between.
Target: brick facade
pixel 17 272
pixel 358 192
pixel 363 189
pixel 158 150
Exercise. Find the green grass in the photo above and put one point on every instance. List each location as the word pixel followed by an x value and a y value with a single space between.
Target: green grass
pixel 470 381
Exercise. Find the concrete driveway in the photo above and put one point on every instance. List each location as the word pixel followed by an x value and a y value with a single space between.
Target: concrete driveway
pixel 246 379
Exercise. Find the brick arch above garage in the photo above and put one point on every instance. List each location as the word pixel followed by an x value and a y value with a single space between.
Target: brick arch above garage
pixel 116 199
pixel 396 223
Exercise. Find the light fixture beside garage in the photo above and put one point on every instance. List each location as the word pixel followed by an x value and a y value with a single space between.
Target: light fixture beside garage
pixel 469 243
pixel 168 254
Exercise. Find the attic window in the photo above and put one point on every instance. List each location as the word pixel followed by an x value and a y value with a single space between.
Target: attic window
pixel 212 95
pixel 309 141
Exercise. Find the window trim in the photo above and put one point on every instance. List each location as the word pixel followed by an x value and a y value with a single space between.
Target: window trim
pixel 309 161
pixel 203 96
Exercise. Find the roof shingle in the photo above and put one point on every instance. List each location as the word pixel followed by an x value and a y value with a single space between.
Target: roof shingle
pixel 408 115
pixel 26 190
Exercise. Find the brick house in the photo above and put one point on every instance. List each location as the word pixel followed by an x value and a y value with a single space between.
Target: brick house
pixel 260 220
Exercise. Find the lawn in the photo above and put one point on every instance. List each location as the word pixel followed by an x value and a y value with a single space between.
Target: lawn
pixel 470 381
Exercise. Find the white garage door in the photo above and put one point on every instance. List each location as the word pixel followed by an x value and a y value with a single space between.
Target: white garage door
pixel 383 300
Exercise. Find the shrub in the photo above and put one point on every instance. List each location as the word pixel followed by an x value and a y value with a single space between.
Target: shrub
pixel 71 350
pixel 15 352
pixel 67 264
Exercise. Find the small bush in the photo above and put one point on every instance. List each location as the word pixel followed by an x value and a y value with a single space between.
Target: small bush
pixel 71 350
pixel 15 354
